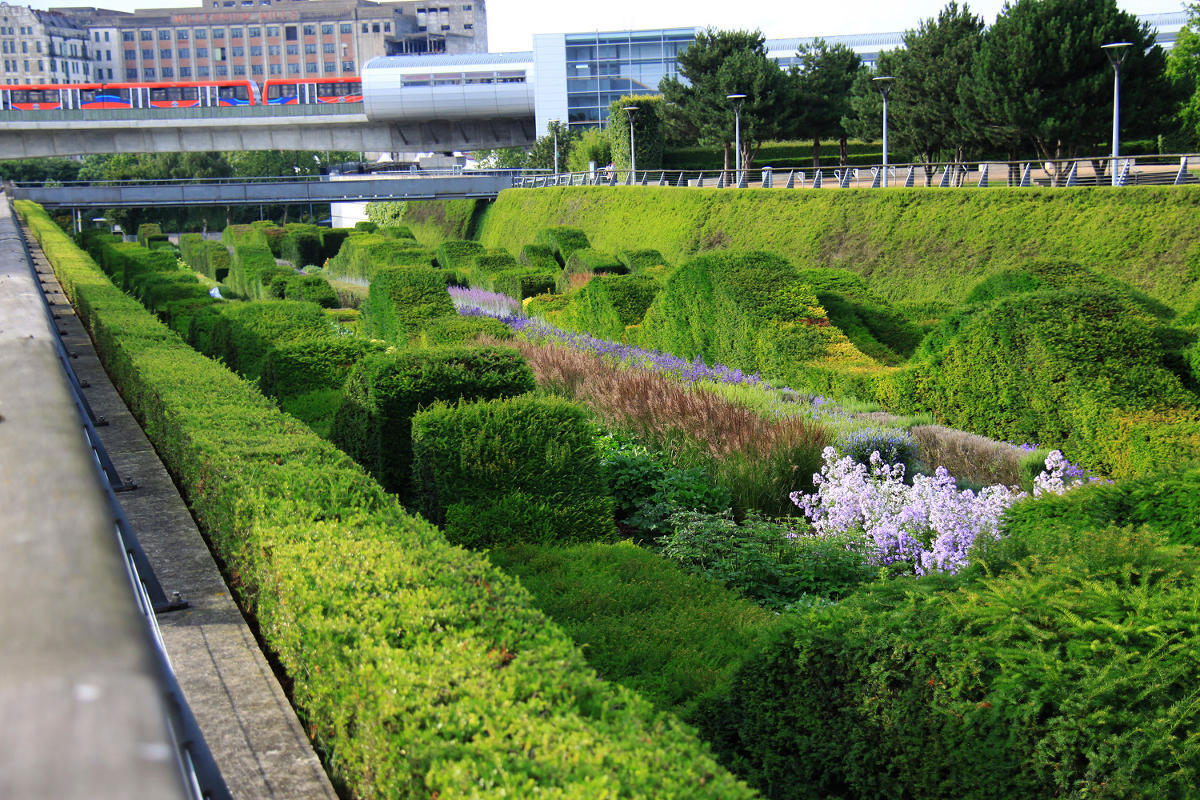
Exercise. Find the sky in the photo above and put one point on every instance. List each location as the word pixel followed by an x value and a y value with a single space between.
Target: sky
pixel 511 23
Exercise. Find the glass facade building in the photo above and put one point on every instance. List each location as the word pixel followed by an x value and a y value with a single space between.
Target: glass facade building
pixel 603 67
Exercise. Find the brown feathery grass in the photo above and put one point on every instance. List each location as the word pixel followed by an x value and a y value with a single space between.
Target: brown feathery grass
pixel 761 460
pixel 972 458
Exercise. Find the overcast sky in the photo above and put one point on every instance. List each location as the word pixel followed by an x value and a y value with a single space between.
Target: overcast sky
pixel 512 23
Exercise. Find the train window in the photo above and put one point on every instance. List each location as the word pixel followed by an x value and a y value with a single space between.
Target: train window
pixel 447 81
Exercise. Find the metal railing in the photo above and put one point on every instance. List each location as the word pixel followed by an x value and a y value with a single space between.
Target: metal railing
pixel 205 112
pixel 448 172
pixel 1141 170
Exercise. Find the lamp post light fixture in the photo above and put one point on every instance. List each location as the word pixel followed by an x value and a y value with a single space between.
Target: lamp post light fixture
pixel 1116 53
pixel 737 136
pixel 629 111
pixel 884 84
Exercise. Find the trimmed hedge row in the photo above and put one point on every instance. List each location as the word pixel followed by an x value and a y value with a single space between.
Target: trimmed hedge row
pixel 245 333
pixel 562 241
pixel 458 255
pixel 373 423
pixel 421 669
pixel 608 305
pixel 499 472
pixel 364 253
pixel 402 299
pixel 915 245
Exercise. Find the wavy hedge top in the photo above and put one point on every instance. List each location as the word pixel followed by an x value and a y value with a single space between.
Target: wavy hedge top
pixel 917 245
pixel 422 670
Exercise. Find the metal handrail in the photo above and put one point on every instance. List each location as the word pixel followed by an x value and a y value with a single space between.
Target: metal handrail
pixel 225 181
pixel 1132 170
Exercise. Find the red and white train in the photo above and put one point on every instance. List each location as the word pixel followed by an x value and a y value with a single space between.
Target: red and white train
pixel 179 94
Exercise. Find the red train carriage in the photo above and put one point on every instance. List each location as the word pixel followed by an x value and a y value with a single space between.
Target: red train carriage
pixel 282 91
pixel 167 94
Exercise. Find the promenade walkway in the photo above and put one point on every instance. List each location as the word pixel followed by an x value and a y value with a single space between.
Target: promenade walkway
pixel 243 713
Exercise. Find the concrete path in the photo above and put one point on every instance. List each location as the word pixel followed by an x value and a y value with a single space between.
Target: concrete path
pixel 251 729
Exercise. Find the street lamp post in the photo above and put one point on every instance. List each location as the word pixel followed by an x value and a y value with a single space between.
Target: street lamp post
pixel 884 84
pixel 1116 53
pixel 737 136
pixel 554 130
pixel 629 110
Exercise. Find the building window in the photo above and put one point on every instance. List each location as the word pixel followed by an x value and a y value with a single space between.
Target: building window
pixel 274 69
pixel 168 72
pixel 235 33
pixel 310 67
pixel 274 49
pixel 387 27
pixel 106 36
pixel 330 66
pixel 95 35
pixel 272 30
pixel 310 49
pixel 239 69
pixel 131 74
pixel 345 28
pixel 184 52
pixel 147 36
pixel 201 33
pixel 289 33
pixel 328 48
pixel 445 27
pixel 181 35
pixel 366 28
pixel 310 30
pixel 218 33
pixel 164 36
pixel 239 52
pixel 256 69
pixel 466 6
pixel 254 33
pixel 374 27
pixel 147 55
pixel 256 49
pixel 327 29
pixel 185 72
pixel 201 52
pixel 293 49
pixel 127 36
pixel 347 66
pixel 201 72
pixel 148 71
pixel 221 71
pixel 131 55
pixel 165 55
pixel 293 69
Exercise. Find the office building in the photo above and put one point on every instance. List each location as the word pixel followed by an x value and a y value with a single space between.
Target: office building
pixel 42 47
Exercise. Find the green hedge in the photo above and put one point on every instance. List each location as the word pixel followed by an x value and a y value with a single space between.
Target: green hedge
pixel 641 260
pixel 501 472
pixel 458 255
pixel 521 282
pixel 293 368
pixel 402 299
pixel 1072 676
pixel 915 245
pixel 362 254
pixel 301 245
pixel 743 309
pixel 332 240
pixel 420 669
pixel 1080 368
pixel 462 330
pixel 641 620
pixel 585 259
pixel 539 256
pixel 868 320
pixel 245 333
pixel 383 392
pixel 252 268
pixel 561 239
pixel 609 304
pixel 312 288
pixel 147 230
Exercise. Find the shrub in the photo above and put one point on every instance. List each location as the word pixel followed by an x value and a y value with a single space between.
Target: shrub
pixel 421 668
pixel 252 270
pixel 363 254
pixel 245 333
pixel 332 240
pixel 744 310
pixel 546 305
pixel 486 262
pixel 301 245
pixel 609 304
pixel 458 255
pixel 147 230
pixel 538 256
pixel 893 445
pixel 774 564
pixel 1069 677
pixel 365 226
pixel 462 330
pixel 521 282
pixel 384 391
pixel 193 252
pixel 293 368
pixel 499 472
pixel 642 621
pixel 638 261
pixel 219 261
pixel 401 300
pixel 1057 274
pixel 563 241
pixel 313 289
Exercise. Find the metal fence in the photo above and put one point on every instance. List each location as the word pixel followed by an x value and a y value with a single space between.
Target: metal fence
pixel 1141 170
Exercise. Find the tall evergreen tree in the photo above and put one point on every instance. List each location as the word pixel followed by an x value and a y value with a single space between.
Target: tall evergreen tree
pixel 823 84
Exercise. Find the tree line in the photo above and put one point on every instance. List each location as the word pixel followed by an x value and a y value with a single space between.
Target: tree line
pixel 1037 84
